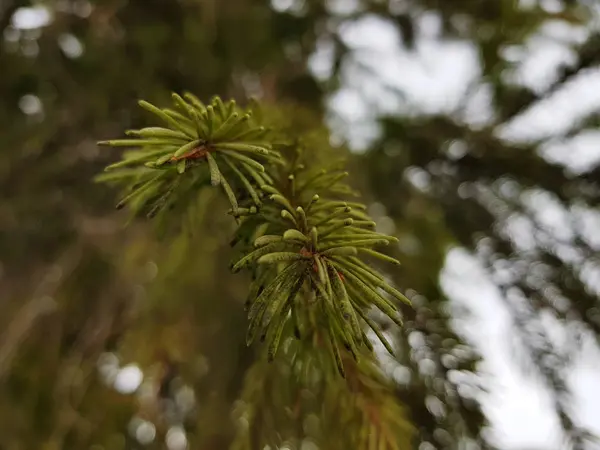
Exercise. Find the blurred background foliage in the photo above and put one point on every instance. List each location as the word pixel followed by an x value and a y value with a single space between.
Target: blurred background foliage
pixel 111 337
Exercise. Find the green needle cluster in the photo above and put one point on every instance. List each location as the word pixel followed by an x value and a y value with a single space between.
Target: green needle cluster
pixel 218 143
pixel 317 257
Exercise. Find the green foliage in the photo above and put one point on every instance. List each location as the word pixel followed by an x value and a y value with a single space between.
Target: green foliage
pixel 304 389
pixel 318 259
pixel 305 249
pixel 304 242
pixel 212 143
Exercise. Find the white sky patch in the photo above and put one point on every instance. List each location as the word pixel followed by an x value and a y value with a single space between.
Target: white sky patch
pixel 590 276
pixel 383 77
pixel 289 6
pixel 370 32
pixel 352 119
pixel 579 154
pixel 70 45
pixel 585 383
pixel 540 69
pixel 31 104
pixel 516 405
pixel 558 113
pixel 549 214
pixel 128 379
pixel 31 18
pixel 320 62
pixel 539 60
pixel 478 111
pixel 520 230
pixel 433 78
pixel 142 430
pixel 516 408
pixel 342 7
pixel 587 223
pixel 463 279
pixel 565 32
pixel 429 25
pixel 176 439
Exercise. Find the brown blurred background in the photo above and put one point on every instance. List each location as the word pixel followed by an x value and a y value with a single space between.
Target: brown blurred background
pixel 474 125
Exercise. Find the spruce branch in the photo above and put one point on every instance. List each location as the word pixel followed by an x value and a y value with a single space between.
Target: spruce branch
pixel 308 235
pixel 320 254
pixel 218 144
pixel 300 237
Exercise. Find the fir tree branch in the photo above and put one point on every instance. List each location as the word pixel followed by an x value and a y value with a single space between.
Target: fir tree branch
pixel 298 235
